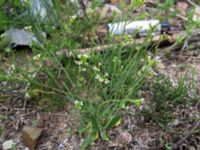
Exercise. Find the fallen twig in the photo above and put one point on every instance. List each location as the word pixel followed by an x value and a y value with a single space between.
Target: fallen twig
pixel 124 44
pixel 181 37
pixel 104 47
pixel 160 38
pixel 11 93
pixel 192 3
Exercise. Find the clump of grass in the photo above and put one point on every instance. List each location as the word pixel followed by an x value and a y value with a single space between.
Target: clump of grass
pixel 163 87
pixel 98 84
pixel 165 96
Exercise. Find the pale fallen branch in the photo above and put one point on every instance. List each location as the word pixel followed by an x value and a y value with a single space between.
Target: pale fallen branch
pixel 192 3
pixel 180 37
pixel 102 48
pixel 156 39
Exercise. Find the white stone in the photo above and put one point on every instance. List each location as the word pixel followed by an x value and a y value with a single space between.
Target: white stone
pixel 8 144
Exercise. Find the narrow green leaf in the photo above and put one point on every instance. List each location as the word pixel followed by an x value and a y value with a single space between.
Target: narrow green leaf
pixel 94 122
pixel 88 141
pixel 136 102
pixel 112 121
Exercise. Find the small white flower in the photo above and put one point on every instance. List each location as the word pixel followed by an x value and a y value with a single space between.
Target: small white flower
pixel 97 77
pixel 28 28
pixel 78 104
pixel 101 80
pixel 83 69
pixel 106 81
pixel 37 57
pixel 79 56
pixel 27 96
pixel 96 69
pixel 78 63
pixel 73 17
pixel 13 67
pixel 85 55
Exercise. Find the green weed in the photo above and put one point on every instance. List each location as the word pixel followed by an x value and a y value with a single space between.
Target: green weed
pixel 165 96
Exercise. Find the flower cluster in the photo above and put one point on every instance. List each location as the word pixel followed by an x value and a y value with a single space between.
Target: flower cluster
pixel 95 68
pixel 83 66
pixel 102 79
pixel 72 19
pixel 37 57
pixel 83 59
pixel 78 104
pixel 28 28
pixel 83 56
pixel 82 62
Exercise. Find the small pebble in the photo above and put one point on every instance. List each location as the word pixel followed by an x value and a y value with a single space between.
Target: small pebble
pixel 8 144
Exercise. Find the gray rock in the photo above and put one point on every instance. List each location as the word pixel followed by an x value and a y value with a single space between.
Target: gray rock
pixel 16 37
pixel 108 11
pixel 42 12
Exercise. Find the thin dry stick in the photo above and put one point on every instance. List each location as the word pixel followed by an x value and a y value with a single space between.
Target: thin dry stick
pixel 181 36
pixel 3 107
pixel 192 3
pixel 104 47
pixel 11 93
pixel 179 15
